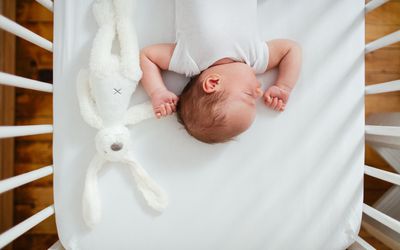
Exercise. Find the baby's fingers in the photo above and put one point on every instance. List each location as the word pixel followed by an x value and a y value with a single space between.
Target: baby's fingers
pixel 173 107
pixel 168 108
pixel 157 112
pixel 274 103
pixel 161 111
pixel 279 106
pixel 267 99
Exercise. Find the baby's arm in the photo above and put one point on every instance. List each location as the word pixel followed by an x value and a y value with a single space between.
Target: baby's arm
pixel 286 55
pixel 153 59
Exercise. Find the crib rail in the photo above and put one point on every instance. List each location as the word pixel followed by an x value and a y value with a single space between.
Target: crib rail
pixel 13 233
pixel 371 5
pixel 382 87
pixel 48 4
pixel 382 174
pixel 24 33
pixel 13 131
pixel 382 130
pixel 383 42
pixel 22 82
pixel 387 136
pixel 22 179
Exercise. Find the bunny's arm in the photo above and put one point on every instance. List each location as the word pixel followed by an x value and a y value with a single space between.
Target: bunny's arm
pixel 86 103
pixel 130 63
pixel 139 113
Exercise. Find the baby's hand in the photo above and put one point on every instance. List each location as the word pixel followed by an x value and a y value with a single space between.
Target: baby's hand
pixel 276 97
pixel 164 103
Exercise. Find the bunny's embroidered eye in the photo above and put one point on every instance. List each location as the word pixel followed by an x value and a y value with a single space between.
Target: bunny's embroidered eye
pixel 119 91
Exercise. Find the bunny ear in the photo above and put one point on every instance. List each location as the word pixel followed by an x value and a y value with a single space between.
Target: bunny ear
pixel 91 205
pixel 86 103
pixel 130 64
pixel 139 113
pixel 154 195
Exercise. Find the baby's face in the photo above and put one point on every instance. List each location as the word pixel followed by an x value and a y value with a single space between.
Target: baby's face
pixel 243 89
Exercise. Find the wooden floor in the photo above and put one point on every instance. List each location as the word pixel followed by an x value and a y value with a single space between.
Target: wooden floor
pixel 36 108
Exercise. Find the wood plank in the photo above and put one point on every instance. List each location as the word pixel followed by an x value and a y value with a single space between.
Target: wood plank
pixel 32 103
pixel 386 14
pixel 379 77
pixel 31 58
pixel 30 200
pixel 37 198
pixel 7 100
pixel 372 240
pixel 35 121
pixel 375 160
pixel 35 242
pixel 376 31
pixel 389 102
pixel 37 152
pixel 385 60
pixel 31 11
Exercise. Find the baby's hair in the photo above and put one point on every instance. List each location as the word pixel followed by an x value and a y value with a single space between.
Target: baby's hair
pixel 201 113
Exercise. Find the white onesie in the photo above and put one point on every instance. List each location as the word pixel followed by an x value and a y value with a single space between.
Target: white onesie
pixel 209 30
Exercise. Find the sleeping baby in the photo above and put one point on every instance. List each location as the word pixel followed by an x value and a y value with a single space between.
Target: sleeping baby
pixel 218 47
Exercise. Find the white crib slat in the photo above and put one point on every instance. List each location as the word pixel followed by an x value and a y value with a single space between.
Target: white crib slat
pixel 13 131
pixel 383 41
pixel 22 179
pixel 382 218
pixel 373 4
pixel 24 33
pixel 382 130
pixel 361 244
pixel 48 4
pixel 382 87
pixel 16 231
pixel 382 174
pixel 57 246
pixel 22 82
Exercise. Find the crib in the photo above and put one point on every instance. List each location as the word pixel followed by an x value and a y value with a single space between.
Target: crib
pixel 350 146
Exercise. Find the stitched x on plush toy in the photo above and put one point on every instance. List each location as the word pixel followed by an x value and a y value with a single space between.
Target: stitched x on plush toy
pixel 104 92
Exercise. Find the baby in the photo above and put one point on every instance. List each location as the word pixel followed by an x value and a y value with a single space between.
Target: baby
pixel 218 46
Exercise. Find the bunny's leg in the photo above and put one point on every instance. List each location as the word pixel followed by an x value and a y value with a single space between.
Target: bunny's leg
pixel 130 64
pixel 100 57
pixel 154 195
pixel 91 205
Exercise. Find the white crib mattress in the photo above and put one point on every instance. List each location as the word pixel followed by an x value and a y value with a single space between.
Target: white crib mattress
pixel 294 180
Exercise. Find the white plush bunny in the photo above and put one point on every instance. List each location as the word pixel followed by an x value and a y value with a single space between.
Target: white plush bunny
pixel 104 92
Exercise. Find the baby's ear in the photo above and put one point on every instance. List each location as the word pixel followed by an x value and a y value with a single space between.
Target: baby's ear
pixel 212 83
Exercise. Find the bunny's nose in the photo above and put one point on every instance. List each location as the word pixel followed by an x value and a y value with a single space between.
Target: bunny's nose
pixel 116 146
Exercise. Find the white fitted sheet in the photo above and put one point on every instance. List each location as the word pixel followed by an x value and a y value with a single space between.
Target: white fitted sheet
pixel 292 181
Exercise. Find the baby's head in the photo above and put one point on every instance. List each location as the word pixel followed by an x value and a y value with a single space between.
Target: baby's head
pixel 219 104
